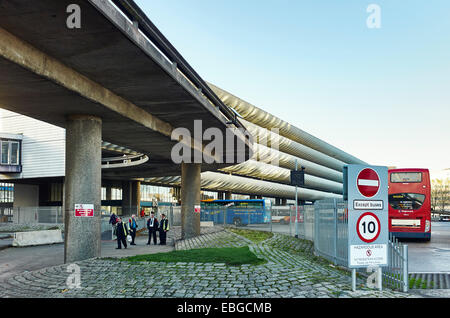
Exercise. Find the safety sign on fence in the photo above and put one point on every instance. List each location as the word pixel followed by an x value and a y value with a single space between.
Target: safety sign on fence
pixel 368 231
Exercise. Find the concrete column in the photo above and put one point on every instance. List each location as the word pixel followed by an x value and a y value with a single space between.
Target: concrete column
pixel 108 192
pixel 277 201
pixel 82 238
pixel 190 197
pixel 283 201
pixel 228 195
pixel 126 197
pixel 135 197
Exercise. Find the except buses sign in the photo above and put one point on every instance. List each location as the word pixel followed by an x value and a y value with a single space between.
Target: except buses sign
pixel 368 230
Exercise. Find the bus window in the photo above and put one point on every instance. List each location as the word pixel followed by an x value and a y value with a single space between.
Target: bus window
pixel 406 177
pixel 406 201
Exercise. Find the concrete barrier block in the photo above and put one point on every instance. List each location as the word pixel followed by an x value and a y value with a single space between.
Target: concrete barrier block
pixel 37 238
pixel 206 223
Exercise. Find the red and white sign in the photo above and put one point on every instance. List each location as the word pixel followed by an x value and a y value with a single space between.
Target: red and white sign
pixel 84 210
pixel 368 227
pixel 368 182
pixel 197 208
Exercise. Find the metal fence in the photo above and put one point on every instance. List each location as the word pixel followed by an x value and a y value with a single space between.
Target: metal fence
pixel 396 274
pixel 331 231
pixel 37 215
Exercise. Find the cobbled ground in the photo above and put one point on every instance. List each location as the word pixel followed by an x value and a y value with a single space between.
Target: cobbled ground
pixel 291 271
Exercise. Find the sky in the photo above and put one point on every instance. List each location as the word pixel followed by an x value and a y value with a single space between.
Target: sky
pixel 380 94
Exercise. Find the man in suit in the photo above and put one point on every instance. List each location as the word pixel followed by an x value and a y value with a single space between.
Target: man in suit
pixel 121 233
pixel 163 228
pixel 152 226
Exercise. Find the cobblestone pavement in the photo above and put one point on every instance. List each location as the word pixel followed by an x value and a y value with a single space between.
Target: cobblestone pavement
pixel 289 272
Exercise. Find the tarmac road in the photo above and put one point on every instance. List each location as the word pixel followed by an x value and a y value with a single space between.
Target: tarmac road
pixel 433 256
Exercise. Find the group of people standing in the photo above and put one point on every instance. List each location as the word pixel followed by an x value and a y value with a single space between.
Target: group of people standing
pixel 154 226
pixel 122 230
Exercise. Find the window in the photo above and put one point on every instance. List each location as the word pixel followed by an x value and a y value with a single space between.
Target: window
pixel 5 152
pixel 406 201
pixel 14 157
pixel 10 153
pixel 406 177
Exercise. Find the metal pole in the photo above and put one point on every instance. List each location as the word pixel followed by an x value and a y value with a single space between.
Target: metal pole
pixel 296 205
pixel 271 228
pixel 353 279
pixel 335 231
pixel 405 269
pixel 380 278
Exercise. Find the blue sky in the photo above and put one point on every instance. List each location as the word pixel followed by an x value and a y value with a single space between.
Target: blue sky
pixel 382 95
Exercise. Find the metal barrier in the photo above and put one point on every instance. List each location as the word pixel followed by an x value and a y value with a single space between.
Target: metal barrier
pixel 331 231
pixel 38 215
pixel 395 275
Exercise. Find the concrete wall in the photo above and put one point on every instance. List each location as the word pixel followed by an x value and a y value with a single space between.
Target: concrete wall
pixel 26 199
pixel 26 195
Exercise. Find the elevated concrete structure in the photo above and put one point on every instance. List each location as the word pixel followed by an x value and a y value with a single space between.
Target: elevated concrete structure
pixel 108 68
pixel 115 78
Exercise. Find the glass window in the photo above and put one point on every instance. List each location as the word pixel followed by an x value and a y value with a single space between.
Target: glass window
pixel 406 177
pixel 14 160
pixel 5 152
pixel 406 201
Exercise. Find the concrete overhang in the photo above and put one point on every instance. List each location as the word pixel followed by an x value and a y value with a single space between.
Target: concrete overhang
pixel 107 68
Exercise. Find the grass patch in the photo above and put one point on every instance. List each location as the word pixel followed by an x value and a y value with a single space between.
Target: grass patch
pixel 254 236
pixel 417 283
pixel 230 256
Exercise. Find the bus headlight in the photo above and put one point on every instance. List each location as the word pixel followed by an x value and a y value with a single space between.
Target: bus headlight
pixel 427 226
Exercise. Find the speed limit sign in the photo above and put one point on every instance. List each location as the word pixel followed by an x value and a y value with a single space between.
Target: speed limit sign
pixel 368 227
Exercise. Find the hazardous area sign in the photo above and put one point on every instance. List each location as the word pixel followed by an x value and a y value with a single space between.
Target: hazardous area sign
pixel 368 255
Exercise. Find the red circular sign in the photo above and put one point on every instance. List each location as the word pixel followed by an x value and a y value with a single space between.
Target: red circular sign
pixel 368 182
pixel 368 227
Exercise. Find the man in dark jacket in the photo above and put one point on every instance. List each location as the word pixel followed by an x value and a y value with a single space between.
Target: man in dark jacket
pixel 121 232
pixel 132 225
pixel 163 228
pixel 152 226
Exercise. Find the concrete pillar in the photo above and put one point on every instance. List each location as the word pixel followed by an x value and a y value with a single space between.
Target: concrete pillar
pixel 108 192
pixel 277 201
pixel 126 197
pixel 228 195
pixel 82 238
pixel 190 197
pixel 283 201
pixel 135 197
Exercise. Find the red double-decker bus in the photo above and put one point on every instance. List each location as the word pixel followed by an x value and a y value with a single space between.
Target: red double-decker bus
pixel 410 203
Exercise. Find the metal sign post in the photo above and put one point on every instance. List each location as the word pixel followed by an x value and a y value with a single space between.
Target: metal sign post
pixel 296 204
pixel 297 179
pixel 368 231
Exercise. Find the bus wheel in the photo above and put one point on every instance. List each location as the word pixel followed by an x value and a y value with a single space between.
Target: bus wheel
pixel 237 222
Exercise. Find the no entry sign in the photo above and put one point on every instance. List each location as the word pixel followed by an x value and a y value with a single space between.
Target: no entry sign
pixel 368 182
